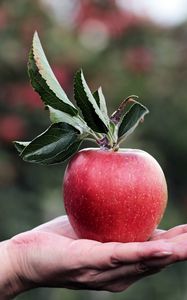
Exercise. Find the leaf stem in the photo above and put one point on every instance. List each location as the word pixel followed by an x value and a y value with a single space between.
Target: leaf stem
pixel 91 140
pixel 96 136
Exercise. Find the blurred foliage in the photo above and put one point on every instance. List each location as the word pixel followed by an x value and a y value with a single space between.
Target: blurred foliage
pixel 126 55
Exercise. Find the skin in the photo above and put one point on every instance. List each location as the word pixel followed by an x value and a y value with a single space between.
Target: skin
pixel 51 255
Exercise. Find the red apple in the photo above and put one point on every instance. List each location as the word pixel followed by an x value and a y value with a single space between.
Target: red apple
pixel 114 196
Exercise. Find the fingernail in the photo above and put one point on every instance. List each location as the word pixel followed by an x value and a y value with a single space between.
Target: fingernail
pixel 162 253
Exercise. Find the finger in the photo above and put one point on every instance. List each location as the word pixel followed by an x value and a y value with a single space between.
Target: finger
pixel 156 233
pixel 179 239
pixel 126 273
pixel 179 249
pixel 122 283
pixel 59 225
pixel 112 254
pixel 170 233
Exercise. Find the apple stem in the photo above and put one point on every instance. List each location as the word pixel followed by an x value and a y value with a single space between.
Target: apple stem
pixel 108 142
pixel 104 143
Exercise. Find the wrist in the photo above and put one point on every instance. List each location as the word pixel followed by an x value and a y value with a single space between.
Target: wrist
pixel 10 281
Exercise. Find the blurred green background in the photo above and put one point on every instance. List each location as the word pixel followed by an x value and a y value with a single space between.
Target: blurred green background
pixel 125 54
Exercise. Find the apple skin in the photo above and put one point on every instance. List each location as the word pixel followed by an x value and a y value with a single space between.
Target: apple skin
pixel 114 196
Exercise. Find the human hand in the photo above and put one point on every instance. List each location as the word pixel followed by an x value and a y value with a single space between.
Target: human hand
pixel 51 255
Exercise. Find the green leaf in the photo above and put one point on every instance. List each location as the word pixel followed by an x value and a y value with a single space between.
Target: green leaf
pixel 55 140
pixel 20 145
pixel 64 155
pixel 88 105
pixel 101 102
pixel 57 116
pixel 131 119
pixel 118 114
pixel 44 81
pixel 96 96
